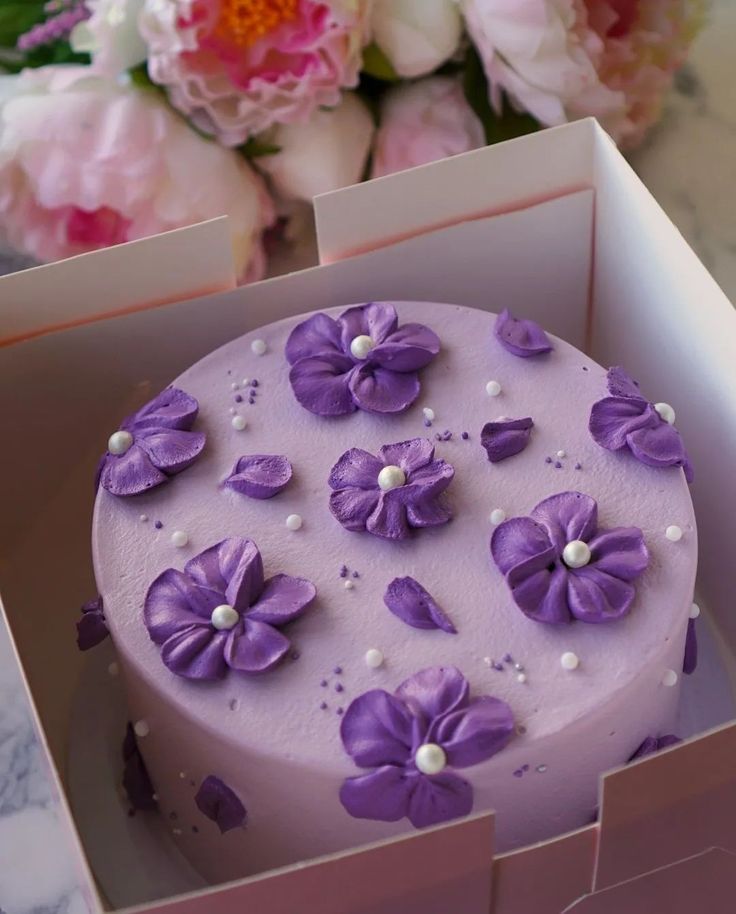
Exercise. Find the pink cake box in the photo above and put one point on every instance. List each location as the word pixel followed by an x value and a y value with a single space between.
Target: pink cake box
pixel 557 227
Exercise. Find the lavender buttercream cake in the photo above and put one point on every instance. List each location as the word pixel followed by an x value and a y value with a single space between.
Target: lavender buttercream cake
pixel 371 569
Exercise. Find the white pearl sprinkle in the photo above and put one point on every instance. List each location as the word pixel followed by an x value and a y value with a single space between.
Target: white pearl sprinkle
pixel 348 585
pixel 179 539
pixel 258 347
pixel 113 669
pixel 666 412
pixel 391 477
pixel 143 518
pixel 232 411
pixel 576 554
pixel 176 831
pixel 428 413
pixel 154 797
pixel 238 423
pixel 561 454
pixel 498 516
pixel 294 522
pixel 521 677
pixel 182 774
pixel 430 758
pixel 234 386
pixel 669 678
pixel 361 345
pixel 569 661
pixel 673 533
pixel 694 611
pixel 141 728
pixel 120 442
pixel 493 388
pixel 224 617
pixel 487 661
pixel 245 382
pixel 373 658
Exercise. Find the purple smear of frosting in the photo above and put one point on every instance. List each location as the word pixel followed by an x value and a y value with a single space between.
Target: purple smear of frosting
pixel 358 502
pixel 329 379
pixel 92 627
pixel 505 437
pixel 529 553
pixel 407 599
pixel 628 421
pixel 178 612
pixel 162 445
pixel 690 660
pixel 260 475
pixel 136 781
pixel 522 338
pixel 653 744
pixel 383 731
pixel 219 803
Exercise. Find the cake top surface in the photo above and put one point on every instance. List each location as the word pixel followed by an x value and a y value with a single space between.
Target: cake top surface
pixel 357 629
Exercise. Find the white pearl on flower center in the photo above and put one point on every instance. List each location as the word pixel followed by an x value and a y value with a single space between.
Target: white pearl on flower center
pixel 224 617
pixel 391 477
pixel 120 442
pixel 361 346
pixel 576 554
pixel 666 412
pixel 430 758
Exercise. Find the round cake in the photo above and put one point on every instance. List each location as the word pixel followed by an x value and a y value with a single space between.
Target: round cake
pixel 372 569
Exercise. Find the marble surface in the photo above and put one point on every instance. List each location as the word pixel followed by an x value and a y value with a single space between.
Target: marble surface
pixel 689 163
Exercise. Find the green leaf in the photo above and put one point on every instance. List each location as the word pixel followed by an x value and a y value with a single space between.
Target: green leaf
pixel 497 128
pixel 17 17
pixel 139 77
pixel 376 64
pixel 255 148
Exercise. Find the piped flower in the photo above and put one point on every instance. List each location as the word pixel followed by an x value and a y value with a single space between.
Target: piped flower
pixel 505 437
pixel 219 803
pixel 559 566
pixel 152 445
pixel 362 360
pixel 654 744
pixel 410 602
pixel 627 420
pixel 220 614
pixel 390 494
pixel 522 338
pixel 136 780
pixel 412 740
pixel 260 475
pixel 92 627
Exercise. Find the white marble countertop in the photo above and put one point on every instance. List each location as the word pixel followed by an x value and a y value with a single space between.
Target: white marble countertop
pixel 689 163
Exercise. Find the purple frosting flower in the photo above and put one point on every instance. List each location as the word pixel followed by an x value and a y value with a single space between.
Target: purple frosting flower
pixel 412 740
pixel 219 613
pixel 152 445
pixel 362 360
pixel 522 338
pixel 653 744
pixel 92 627
pixel 626 419
pixel 390 494
pixel 690 659
pixel 219 803
pixel 136 781
pixel 505 437
pixel 559 566
pixel 260 475
pixel 407 599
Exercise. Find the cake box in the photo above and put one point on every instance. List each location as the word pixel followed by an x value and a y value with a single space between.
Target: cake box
pixel 556 223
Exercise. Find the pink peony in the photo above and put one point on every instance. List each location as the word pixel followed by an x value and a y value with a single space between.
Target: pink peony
pixel 86 163
pixel 237 67
pixel 422 122
pixel 564 59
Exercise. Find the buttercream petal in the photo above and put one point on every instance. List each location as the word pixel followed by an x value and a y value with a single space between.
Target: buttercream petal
pixel 411 347
pixel 439 798
pixel 522 338
pixel 91 630
pixel 382 794
pixel 621 384
pixel 171 450
pixel 174 602
pixel 352 507
pixel 474 734
pixel 505 437
pixel 283 598
pixel 435 691
pixel 130 473
pixel 254 647
pixel 541 594
pixel 321 384
pixel 376 319
pixel 355 467
pixel 595 596
pixel 410 602
pixel 377 729
pixel 690 658
pixel 612 419
pixel 567 516
pixel 232 568
pixel 518 539
pixel 379 390
pixel 410 455
pixel 431 479
pixel 620 552
pixel 659 446
pixel 315 336
pixel 172 408
pixel 427 511
pixel 221 804
pixel 388 519
pixel 196 652
pixel 260 475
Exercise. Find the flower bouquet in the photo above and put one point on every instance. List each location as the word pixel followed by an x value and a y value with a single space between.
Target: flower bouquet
pixel 124 118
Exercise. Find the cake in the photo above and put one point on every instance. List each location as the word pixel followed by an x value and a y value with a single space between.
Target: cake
pixel 370 569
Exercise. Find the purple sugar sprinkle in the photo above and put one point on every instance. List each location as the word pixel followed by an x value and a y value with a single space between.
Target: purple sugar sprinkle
pixel 437 436
pixel 339 710
pixel 337 671
pixel 158 525
pixel 195 829
pixel 254 382
pixel 558 465
pixel 585 368
pixel 295 655
pixel 518 773
pixel 251 400
pixel 233 704
pixel 238 398
pixel 356 574
pixel 498 666
pixel 465 436
pixel 343 571
pixel 173 816
pixel 507 658
pixel 428 423
pixel 339 687
pixel 524 767
pixel 324 683
pixel 323 706
pixel 548 460
pixel 578 466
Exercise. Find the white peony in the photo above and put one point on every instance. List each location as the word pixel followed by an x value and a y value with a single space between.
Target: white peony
pixel 417 36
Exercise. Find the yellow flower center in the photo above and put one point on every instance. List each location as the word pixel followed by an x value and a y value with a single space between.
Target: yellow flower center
pixel 247 21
